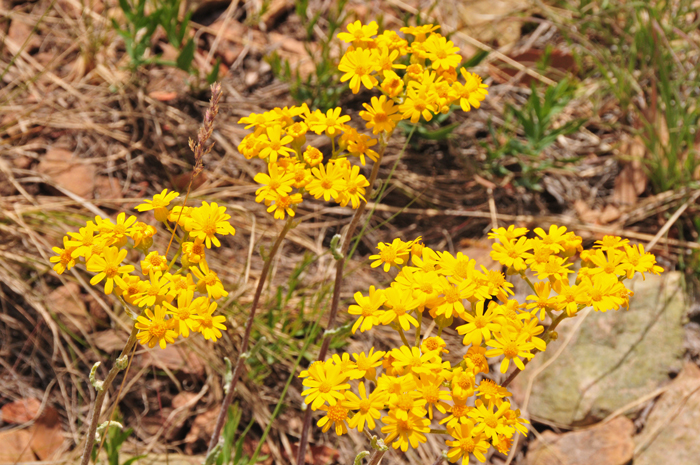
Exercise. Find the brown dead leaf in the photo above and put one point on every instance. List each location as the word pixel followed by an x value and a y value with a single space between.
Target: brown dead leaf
pixel 562 61
pixel 162 96
pixel 109 340
pixel 23 162
pixel 585 213
pixel 492 20
pixel 107 187
pixel 43 438
pixel 20 411
pixel 66 302
pixel 317 455
pixel 60 165
pixel 181 181
pixel 202 428
pixel 609 214
pixel 20 31
pixel 173 358
pixel 16 447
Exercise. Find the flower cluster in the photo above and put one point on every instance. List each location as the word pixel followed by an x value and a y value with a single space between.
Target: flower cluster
pixel 171 301
pixel 417 79
pixel 418 386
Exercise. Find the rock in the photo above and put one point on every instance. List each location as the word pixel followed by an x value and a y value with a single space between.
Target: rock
pixel 671 433
pixel 609 444
pixel 59 165
pixel 617 358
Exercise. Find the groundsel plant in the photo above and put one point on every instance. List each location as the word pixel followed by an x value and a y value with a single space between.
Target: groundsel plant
pixel 410 391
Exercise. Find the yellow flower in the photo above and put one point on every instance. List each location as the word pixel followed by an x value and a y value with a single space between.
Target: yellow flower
pixel 369 407
pixel 503 234
pixel 391 40
pixel 368 308
pixel 640 261
pixel 209 220
pixel 358 66
pixel 275 145
pixel 553 238
pixel 208 324
pixel 312 156
pixel 142 233
pixel 353 189
pixel 277 182
pixel 512 347
pixel 326 383
pixel 384 60
pixel 418 104
pixel 467 440
pixel 336 416
pixel 604 294
pixel 554 268
pixel 429 389
pixel 327 182
pixel 366 364
pixel 180 283
pixel 441 52
pixel 399 305
pixel 208 281
pixel 611 243
pixel 401 433
pixel 412 360
pixel 152 292
pixel 331 122
pixel 390 254
pixel 159 204
pixel 542 300
pixel 472 92
pixel 510 253
pixel 282 204
pixel 108 266
pixel 419 31
pixel 361 146
pixel 357 32
pixel 381 116
pixel 493 423
pixel 154 329
pixel 82 241
pixel 479 326
pixel 64 259
pixel 154 262
pixel 193 251
pixel 128 287
pixel 392 84
pixel 184 314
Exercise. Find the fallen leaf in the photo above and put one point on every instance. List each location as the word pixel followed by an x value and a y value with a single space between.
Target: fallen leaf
pixel 631 182
pixel 173 358
pixel 202 428
pixel 585 213
pixel 610 444
pixel 107 187
pixel 65 301
pixel 59 165
pixel 16 447
pixel 109 340
pixel 20 31
pixel 162 96
pixel 609 214
pixel 20 411
pixel 47 439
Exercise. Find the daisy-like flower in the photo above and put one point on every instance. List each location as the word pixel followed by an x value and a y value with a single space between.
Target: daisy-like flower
pixel 493 422
pixel 555 268
pixel 193 251
pixel 459 412
pixel 128 287
pixel 120 231
pixel 434 344
pixel 357 32
pixel 512 346
pixel 569 297
pixel 402 433
pixel 358 66
pixel 159 204
pixel 277 182
pixel 326 384
pixel 362 145
pixel 399 304
pixel 382 115
pixel 368 407
pixel 142 234
pixel 453 296
pixel 366 364
pixel 467 440
pixel 441 52
pixel 472 92
pixel 542 300
pixel 604 293
pixel 154 329
pixel 553 238
pixel 611 243
pixel 419 32
pixel 479 326
pixel 63 259
pixel 641 262
pixel 184 314
pixel 312 156
pixel 428 387
pixel 392 84
pixel 153 291
pixel 154 262
pixel 208 324
pixel 180 283
pixel 407 403
pixel 209 220
pixel 208 281
pixel 336 416
pixel 503 234
pixel 368 308
pixel 412 360
pixel 108 266
pixel 510 253
pixel 282 204
pixel 418 104
pixel 82 241
pixel 384 59
pixel 491 392
pixel 275 145
pixel 354 188
pixel 331 123
pixel 390 254
pixel 327 182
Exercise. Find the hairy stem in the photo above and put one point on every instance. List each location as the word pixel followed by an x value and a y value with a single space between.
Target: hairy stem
pixel 223 411
pixel 97 408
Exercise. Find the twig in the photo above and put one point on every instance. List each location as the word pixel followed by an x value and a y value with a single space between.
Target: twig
pixel 97 408
pixel 223 411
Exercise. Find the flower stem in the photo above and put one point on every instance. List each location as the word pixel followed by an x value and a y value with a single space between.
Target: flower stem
pixel 99 400
pixel 223 411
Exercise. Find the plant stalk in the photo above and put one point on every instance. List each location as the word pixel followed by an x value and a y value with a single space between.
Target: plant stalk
pixel 339 267
pixel 223 411
pixel 99 400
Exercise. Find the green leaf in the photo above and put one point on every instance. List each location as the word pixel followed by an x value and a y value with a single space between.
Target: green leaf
pixel 214 75
pixel 184 59
pixel 133 459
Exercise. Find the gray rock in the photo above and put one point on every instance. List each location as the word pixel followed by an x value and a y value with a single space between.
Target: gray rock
pixel 616 358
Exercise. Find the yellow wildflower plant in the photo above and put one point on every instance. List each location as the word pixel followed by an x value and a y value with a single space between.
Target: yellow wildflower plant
pixel 415 389
pixel 177 295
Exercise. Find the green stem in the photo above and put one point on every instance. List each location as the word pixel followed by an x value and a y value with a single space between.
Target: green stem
pixel 403 336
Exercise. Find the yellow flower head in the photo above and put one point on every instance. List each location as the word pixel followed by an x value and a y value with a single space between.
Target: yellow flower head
pixel 159 204
pixel 154 328
pixel 209 220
